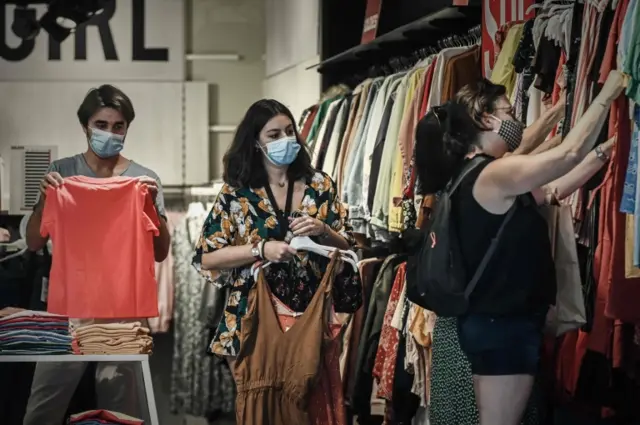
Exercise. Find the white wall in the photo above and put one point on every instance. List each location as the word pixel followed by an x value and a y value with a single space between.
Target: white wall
pixel 296 87
pixel 293 44
pixel 227 26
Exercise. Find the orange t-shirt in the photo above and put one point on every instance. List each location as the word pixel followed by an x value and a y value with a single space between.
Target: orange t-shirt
pixel 103 262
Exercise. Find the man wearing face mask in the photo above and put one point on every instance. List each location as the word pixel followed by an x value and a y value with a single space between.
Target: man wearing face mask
pixel 105 115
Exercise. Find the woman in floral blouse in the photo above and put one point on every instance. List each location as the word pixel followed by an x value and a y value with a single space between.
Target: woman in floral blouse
pixel 272 194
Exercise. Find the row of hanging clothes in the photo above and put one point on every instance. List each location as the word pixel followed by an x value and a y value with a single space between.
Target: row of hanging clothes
pixel 364 138
pixel 409 366
pixel 594 370
pixel 531 57
pixel 201 385
pixel 605 352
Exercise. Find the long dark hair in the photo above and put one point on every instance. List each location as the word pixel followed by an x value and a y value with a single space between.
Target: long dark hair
pixel 243 161
pixel 443 138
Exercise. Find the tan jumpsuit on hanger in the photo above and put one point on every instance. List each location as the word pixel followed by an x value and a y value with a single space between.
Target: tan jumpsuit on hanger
pixel 275 370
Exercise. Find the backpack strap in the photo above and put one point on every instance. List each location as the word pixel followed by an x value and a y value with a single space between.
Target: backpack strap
pixel 473 163
pixel 492 249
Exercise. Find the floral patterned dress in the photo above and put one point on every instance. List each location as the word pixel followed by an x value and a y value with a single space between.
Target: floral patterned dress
pixel 245 216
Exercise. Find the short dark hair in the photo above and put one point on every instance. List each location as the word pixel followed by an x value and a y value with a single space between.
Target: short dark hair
pixel 443 138
pixel 480 97
pixel 105 96
pixel 243 166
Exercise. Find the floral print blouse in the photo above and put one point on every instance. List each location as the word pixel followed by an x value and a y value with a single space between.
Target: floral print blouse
pixel 245 216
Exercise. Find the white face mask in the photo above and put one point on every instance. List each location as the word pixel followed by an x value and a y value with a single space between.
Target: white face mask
pixel 282 151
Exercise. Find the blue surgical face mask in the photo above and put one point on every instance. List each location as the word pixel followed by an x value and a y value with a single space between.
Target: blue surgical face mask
pixel 282 151
pixel 105 144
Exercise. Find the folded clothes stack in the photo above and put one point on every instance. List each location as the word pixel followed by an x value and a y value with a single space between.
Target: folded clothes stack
pixel 112 338
pixel 103 417
pixel 24 332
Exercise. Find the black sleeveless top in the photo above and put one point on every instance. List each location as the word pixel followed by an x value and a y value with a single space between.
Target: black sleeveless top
pixel 520 279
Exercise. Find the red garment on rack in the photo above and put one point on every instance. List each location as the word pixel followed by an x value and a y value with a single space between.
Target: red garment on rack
pixel 616 296
pixel 308 123
pixel 104 416
pixel 427 88
pixel 620 301
pixel 384 368
pixel 102 233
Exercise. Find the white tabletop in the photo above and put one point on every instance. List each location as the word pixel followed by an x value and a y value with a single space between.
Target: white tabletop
pixel 75 358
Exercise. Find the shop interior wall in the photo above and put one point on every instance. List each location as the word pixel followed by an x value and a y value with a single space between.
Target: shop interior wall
pixel 44 94
pixel 292 45
pixel 234 27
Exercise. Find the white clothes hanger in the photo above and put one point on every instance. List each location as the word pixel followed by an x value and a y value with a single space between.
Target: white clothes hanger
pixel 18 248
pixel 533 7
pixel 305 243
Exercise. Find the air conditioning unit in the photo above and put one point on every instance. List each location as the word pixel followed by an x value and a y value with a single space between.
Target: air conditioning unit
pixel 27 167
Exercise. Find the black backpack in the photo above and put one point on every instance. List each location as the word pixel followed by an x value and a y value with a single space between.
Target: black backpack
pixel 435 273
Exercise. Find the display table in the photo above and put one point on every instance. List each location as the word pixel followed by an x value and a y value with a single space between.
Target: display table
pixel 142 359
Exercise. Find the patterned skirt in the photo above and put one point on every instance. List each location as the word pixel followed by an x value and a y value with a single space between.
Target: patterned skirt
pixel 452 396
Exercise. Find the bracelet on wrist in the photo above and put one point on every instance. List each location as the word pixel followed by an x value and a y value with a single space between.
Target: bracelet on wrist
pixel 261 248
pixel 600 154
pixel 325 233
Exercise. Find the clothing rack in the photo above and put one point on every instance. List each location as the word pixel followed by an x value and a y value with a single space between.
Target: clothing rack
pixel 403 41
pixel 180 196
pixel 193 191
pixel 407 61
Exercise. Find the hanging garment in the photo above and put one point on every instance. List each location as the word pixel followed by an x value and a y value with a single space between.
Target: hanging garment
pixel 375 147
pixel 382 188
pixel 275 371
pixel 384 368
pixel 363 381
pixel 114 219
pixel 347 142
pixel 569 312
pixel 355 158
pixel 200 384
pixel 326 401
pixel 369 269
pixel 402 153
pixel 503 71
pixel 166 284
pixel 460 70
pixel 326 159
pixel 324 134
pixel 435 94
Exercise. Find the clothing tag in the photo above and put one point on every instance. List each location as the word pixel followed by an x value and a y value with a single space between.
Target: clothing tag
pixel 44 290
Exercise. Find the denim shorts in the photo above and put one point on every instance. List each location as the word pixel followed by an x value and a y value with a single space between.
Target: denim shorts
pixel 502 345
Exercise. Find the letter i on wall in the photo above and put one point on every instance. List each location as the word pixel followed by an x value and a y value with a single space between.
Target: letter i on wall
pixel 496 13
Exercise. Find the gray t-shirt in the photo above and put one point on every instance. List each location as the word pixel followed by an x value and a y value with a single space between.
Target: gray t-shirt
pixel 77 166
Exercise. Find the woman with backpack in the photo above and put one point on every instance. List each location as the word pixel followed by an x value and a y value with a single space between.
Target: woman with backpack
pixel 501 330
